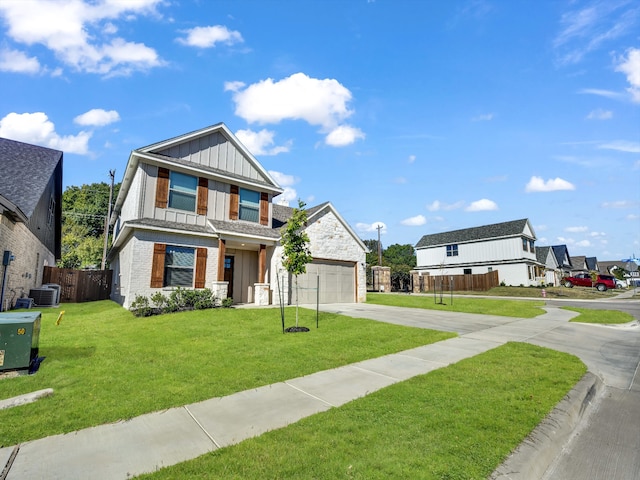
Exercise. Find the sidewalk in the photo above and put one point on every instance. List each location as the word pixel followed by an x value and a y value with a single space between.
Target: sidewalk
pixel 159 439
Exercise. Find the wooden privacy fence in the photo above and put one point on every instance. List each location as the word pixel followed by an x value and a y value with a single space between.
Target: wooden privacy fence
pixel 459 283
pixel 79 285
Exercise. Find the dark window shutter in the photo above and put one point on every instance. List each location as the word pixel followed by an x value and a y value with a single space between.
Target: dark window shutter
pixel 162 188
pixel 201 267
pixel 157 266
pixel 264 208
pixel 203 195
pixel 234 203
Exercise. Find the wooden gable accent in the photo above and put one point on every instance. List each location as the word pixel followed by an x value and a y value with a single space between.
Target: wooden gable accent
pixel 201 267
pixel 162 188
pixel 264 208
pixel 203 195
pixel 157 265
pixel 234 202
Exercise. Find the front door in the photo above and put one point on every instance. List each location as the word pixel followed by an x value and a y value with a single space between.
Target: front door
pixel 228 275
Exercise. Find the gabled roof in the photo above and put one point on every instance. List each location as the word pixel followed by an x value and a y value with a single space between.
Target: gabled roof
pixel 282 213
pixel 579 262
pixel 485 232
pixel 542 253
pixel 151 154
pixel 25 172
pixel 592 263
pixel 561 252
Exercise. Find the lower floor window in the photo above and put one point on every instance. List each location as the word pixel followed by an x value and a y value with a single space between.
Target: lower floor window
pixel 178 266
pixel 467 271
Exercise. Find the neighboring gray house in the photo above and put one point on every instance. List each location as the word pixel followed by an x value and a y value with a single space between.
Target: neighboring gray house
pixel 507 247
pixel 30 214
pixel 196 211
pixel 555 264
pixel 582 264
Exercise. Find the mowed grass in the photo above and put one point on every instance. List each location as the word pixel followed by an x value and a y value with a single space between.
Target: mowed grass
pixel 104 364
pixel 606 317
pixel 458 422
pixel 486 306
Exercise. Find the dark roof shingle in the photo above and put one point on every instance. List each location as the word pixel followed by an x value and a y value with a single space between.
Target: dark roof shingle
pixel 496 230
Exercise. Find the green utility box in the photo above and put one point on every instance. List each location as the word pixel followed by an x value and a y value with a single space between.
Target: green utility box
pixel 19 336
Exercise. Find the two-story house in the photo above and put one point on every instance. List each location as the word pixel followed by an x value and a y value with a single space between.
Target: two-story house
pixel 30 216
pixel 196 211
pixel 507 247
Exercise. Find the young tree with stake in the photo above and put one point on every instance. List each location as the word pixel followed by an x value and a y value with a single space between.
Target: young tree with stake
pixel 295 243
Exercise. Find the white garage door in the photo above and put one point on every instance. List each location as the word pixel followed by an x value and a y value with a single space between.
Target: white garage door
pixel 337 283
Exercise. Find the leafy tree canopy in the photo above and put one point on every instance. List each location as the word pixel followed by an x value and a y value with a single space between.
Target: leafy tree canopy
pixel 84 210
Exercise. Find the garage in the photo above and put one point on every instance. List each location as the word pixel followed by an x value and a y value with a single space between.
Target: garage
pixel 337 282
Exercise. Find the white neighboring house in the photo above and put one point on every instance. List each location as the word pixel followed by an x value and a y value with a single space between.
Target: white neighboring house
pixel 507 247
pixel 196 211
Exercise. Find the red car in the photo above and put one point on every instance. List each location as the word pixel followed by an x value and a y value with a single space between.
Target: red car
pixel 602 282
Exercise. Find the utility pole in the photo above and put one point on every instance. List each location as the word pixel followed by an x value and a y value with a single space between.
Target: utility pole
pixel 112 174
pixel 379 227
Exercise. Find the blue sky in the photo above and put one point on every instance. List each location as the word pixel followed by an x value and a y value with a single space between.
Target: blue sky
pixel 421 116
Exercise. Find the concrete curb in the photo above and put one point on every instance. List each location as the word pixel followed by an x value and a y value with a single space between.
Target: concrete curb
pixel 533 457
pixel 26 398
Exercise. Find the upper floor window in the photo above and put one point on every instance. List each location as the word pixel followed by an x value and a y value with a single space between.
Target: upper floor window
pixel 183 191
pixel 452 250
pixel 249 205
pixel 52 212
pixel 178 266
pixel 531 247
pixel 525 244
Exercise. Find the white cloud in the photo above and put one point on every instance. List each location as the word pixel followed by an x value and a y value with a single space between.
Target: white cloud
pixel 600 92
pixel 575 243
pixel 414 221
pixel 537 184
pixel 630 66
pixel 344 135
pixel 622 146
pixel 597 234
pixel 619 204
pixel 18 62
pixel 286 181
pixel 576 229
pixel 482 205
pixel 97 117
pixel 262 143
pixel 483 118
pixel 437 205
pixel 80 33
pixel 589 28
pixel 633 216
pixel 206 37
pixel 412 158
pixel 599 114
pixel 371 227
pixel 37 129
pixel 319 102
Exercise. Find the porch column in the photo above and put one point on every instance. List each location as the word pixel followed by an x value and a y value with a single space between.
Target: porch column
pixel 262 263
pixel 221 254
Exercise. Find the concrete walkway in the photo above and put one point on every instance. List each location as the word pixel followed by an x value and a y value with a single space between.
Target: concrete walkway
pixel 159 439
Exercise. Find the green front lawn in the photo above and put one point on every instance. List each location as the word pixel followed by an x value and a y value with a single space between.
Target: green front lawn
pixel 458 422
pixel 486 306
pixel 104 364
pixel 600 316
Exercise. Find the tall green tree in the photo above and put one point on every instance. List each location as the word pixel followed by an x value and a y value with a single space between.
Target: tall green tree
pixel 295 243
pixel 400 258
pixel 84 210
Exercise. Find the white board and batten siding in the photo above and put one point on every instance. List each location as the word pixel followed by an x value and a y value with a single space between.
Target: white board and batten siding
pixel 485 251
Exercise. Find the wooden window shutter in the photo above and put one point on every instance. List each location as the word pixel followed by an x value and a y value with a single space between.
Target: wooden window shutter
pixel 234 203
pixel 264 208
pixel 203 195
pixel 201 267
pixel 162 188
pixel 157 266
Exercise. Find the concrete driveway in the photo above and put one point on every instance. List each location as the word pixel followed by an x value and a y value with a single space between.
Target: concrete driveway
pixel 606 443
